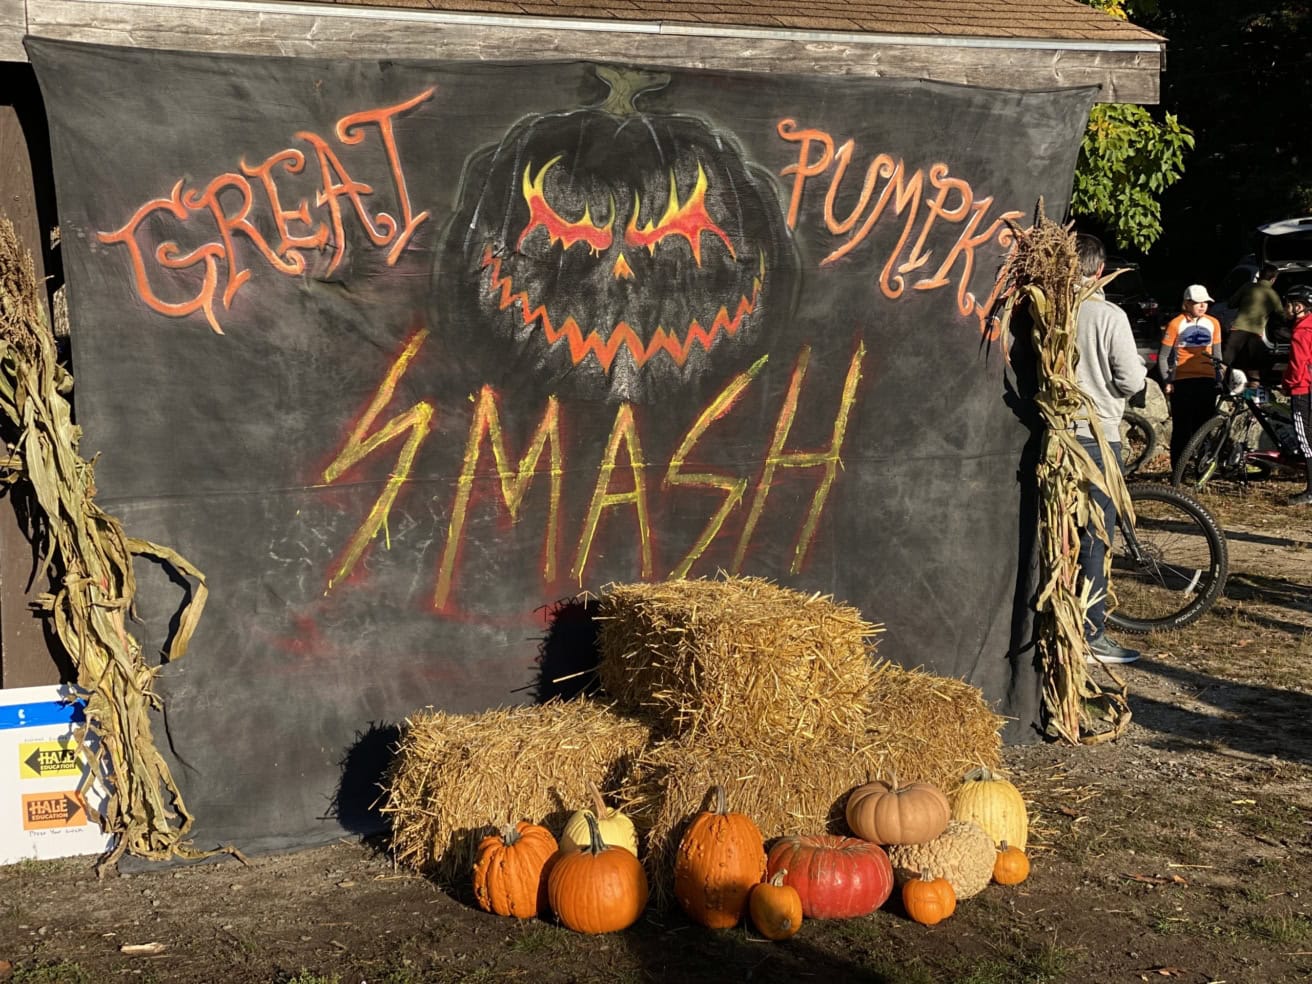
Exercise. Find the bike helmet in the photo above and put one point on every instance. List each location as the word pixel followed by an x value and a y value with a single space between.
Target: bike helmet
pixel 1299 293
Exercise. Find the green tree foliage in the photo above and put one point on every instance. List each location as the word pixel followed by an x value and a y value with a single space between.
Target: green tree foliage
pixel 1126 161
pixel 1238 79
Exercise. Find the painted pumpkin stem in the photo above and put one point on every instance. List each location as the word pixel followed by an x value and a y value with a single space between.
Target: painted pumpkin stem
pixel 626 85
pixel 598 804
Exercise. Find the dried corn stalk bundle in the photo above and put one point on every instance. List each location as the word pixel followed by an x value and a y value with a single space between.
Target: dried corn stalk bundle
pixel 1043 279
pixel 456 777
pixel 734 655
pixel 919 727
pixel 89 559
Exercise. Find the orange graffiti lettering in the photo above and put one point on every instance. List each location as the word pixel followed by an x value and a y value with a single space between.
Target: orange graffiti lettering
pixel 223 207
pixel 948 201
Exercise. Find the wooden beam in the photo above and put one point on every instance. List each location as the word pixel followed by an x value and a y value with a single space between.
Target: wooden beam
pixel 1125 72
pixel 13 25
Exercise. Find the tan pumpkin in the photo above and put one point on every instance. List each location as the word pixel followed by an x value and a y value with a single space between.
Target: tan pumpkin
pixel 720 858
pixel 886 813
pixel 596 888
pixel 508 870
pixel 995 804
pixel 616 828
pixel 775 908
pixel 929 900
pixel 963 854
pixel 1011 867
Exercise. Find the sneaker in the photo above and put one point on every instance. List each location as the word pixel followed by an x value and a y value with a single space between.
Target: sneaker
pixel 1104 650
pixel 1302 499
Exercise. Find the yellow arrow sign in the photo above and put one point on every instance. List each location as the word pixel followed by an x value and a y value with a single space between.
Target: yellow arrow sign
pixel 43 759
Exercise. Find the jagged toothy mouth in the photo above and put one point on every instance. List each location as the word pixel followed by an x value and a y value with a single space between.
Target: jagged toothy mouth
pixel 584 343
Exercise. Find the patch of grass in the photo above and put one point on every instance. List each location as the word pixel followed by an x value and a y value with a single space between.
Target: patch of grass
pixel 64 972
pixel 1279 929
pixel 305 977
pixel 541 939
pixel 1173 926
pixel 1017 960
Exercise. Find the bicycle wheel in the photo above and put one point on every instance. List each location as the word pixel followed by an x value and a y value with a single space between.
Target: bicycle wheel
pixel 1138 441
pixel 1210 459
pixel 1179 567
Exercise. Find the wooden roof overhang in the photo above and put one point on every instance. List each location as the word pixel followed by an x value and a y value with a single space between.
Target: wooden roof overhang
pixel 1041 44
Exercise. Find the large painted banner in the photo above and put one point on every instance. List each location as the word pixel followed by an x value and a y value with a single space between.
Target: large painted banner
pixel 401 354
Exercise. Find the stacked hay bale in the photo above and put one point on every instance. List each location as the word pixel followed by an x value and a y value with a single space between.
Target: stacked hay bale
pixel 732 681
pixel 771 693
pixel 455 776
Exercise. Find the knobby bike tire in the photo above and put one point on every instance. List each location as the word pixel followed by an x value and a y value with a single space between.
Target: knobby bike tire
pixel 1203 461
pixel 1138 441
pixel 1184 567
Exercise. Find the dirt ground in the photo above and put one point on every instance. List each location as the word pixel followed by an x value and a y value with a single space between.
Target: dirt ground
pixel 1181 852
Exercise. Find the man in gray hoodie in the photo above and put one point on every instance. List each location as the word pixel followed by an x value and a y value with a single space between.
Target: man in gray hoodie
pixel 1110 371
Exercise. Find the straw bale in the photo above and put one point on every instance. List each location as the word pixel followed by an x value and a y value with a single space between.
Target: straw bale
pixel 930 728
pixel 922 727
pixel 734 656
pixel 455 777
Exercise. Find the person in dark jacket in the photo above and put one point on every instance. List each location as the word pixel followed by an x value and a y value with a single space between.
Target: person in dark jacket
pixel 1298 378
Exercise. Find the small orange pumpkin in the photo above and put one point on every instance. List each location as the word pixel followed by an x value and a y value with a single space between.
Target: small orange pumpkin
pixel 775 908
pixel 929 900
pixel 596 888
pixel 508 870
pixel 885 813
pixel 1011 866
pixel 720 858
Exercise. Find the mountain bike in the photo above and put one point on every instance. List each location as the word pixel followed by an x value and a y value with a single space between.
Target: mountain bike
pixel 1228 452
pixel 1138 441
pixel 1170 566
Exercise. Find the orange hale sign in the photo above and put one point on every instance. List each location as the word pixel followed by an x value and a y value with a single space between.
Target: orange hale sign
pixel 46 811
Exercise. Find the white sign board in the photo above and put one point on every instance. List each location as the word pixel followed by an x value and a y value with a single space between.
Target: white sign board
pixel 42 812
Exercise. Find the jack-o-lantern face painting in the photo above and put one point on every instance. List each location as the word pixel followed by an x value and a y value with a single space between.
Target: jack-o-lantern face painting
pixel 609 254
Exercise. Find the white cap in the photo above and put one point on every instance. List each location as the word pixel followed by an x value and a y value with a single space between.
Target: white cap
pixel 1197 292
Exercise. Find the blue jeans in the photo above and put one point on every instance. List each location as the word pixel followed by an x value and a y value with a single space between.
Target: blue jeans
pixel 1092 550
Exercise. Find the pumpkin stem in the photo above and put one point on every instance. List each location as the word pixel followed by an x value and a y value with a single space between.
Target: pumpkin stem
pixel 626 85
pixel 778 880
pixel 510 834
pixel 721 801
pixel 595 844
pixel 1002 847
pixel 598 804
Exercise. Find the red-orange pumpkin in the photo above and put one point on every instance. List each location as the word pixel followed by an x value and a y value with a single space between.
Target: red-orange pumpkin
pixel 837 877
pixel 508 870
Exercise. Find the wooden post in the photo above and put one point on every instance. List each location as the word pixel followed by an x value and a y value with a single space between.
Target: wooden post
pixel 27 200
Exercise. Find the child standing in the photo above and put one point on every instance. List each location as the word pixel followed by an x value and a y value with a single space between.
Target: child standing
pixel 1298 377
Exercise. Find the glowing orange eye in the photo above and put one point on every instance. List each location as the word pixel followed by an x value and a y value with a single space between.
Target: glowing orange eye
pixel 560 230
pixel 688 220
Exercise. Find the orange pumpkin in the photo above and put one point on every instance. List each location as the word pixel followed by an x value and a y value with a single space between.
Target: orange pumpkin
pixel 1011 866
pixel 929 900
pixel 885 813
pixel 720 858
pixel 508 870
pixel 775 908
pixel 596 888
